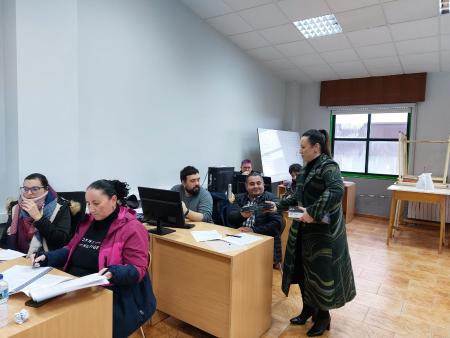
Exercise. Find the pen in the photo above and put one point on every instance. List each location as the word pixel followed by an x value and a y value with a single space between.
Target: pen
pixel 238 236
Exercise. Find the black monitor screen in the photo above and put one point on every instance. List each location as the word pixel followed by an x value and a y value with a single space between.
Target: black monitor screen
pixel 239 184
pixel 161 205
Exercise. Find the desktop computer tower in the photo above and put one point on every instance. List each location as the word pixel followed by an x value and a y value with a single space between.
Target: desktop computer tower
pixel 219 178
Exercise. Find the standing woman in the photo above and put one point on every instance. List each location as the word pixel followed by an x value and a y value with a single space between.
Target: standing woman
pixel 40 220
pixel 317 256
pixel 113 242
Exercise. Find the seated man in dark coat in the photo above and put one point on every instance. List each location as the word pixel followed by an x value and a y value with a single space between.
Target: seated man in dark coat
pixel 256 219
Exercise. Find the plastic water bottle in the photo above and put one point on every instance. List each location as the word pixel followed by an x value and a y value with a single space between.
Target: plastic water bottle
pixel 4 295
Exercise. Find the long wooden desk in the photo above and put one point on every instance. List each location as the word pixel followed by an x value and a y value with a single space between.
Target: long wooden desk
pixel 407 193
pixel 226 294
pixel 83 313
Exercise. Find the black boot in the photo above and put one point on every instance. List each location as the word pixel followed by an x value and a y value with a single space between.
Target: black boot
pixel 307 312
pixel 321 324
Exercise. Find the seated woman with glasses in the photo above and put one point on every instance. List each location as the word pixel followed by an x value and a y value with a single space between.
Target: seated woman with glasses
pixel 40 220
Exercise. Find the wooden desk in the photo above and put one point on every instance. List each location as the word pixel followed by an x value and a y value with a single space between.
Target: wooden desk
pixel 407 193
pixel 225 294
pixel 83 313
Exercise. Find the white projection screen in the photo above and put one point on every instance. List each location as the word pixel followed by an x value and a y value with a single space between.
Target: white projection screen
pixel 279 149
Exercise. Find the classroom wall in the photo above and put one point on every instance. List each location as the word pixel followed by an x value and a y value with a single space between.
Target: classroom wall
pixel 432 122
pixel 130 89
pixel 8 104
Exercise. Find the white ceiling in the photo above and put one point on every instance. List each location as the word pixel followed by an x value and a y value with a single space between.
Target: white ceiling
pixel 380 37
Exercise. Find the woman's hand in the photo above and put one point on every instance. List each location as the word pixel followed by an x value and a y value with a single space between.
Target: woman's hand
pixel 105 272
pixel 245 229
pixel 35 260
pixel 305 218
pixel 31 208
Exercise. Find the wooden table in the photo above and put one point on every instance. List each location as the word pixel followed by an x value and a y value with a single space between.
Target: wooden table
pixel 407 193
pixel 226 294
pixel 83 313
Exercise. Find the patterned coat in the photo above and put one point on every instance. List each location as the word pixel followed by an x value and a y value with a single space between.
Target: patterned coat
pixel 328 276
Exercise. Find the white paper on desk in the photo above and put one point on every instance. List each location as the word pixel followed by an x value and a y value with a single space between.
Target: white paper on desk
pixel 207 235
pixel 222 246
pixel 19 276
pixel 7 254
pixel 244 239
pixel 46 281
pixel 44 293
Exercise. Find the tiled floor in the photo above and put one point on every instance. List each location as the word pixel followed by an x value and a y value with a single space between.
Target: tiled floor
pixel 402 291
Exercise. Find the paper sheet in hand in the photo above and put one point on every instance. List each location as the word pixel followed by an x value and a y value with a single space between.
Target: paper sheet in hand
pixel 244 239
pixel 94 279
pixel 6 255
pixel 222 246
pixel 19 276
pixel 46 281
pixel 202 236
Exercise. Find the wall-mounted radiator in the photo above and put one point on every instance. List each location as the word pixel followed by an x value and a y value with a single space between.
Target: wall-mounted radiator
pixel 427 211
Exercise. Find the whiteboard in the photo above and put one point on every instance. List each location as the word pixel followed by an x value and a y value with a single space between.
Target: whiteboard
pixel 279 149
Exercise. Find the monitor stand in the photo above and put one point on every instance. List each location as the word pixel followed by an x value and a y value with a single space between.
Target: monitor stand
pixel 160 230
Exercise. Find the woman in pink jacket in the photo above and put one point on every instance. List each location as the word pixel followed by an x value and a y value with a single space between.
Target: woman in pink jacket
pixel 113 242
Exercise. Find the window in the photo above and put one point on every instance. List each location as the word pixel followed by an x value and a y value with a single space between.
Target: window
pixel 365 141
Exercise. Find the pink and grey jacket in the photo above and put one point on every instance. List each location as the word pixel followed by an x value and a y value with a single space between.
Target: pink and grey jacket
pixel 124 251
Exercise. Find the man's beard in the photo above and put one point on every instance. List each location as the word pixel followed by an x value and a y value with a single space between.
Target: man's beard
pixel 194 191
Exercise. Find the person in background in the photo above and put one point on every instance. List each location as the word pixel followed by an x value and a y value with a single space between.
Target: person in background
pixel 111 241
pixel 197 202
pixel 294 171
pixel 40 220
pixel 246 167
pixel 317 255
pixel 259 221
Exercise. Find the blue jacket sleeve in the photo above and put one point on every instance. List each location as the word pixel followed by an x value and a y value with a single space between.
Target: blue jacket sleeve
pixel 124 274
pixel 57 258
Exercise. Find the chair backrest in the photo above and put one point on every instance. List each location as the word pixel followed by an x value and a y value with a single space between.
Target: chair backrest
pixel 76 215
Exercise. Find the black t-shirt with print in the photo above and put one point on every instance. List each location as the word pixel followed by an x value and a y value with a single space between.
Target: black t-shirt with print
pixel 84 260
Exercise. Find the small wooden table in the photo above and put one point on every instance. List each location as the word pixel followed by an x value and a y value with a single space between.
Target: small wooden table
pixel 226 294
pixel 402 193
pixel 83 313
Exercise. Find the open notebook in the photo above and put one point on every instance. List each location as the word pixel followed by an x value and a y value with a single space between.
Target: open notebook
pixel 35 282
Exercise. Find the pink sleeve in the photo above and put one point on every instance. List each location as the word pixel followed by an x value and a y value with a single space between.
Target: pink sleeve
pixel 135 249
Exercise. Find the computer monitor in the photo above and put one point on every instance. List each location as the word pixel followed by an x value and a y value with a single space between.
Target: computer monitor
pixel 219 178
pixel 164 208
pixel 239 184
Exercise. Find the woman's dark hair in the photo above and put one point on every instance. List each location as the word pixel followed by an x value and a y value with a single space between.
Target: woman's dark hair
pixel 295 167
pixel 319 136
pixel 39 177
pixel 111 188
pixel 187 171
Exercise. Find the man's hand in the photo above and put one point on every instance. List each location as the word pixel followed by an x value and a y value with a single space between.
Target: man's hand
pixel 184 207
pixel 31 208
pixel 245 229
pixel 246 214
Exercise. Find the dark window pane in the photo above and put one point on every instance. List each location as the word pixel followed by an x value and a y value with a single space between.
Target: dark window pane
pixel 388 125
pixel 350 155
pixel 383 157
pixel 351 126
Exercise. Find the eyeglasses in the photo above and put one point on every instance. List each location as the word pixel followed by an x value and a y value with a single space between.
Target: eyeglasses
pixel 32 189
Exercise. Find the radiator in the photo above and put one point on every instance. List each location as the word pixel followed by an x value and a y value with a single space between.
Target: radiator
pixel 427 211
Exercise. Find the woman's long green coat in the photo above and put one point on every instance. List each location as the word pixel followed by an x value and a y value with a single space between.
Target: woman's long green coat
pixel 328 275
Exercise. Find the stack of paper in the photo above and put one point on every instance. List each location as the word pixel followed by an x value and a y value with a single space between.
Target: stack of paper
pixel 242 239
pixel 45 292
pixel 6 255
pixel 207 235
pixel 20 276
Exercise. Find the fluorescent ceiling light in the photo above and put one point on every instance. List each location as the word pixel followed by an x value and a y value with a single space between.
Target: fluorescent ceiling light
pixel 444 6
pixel 319 26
